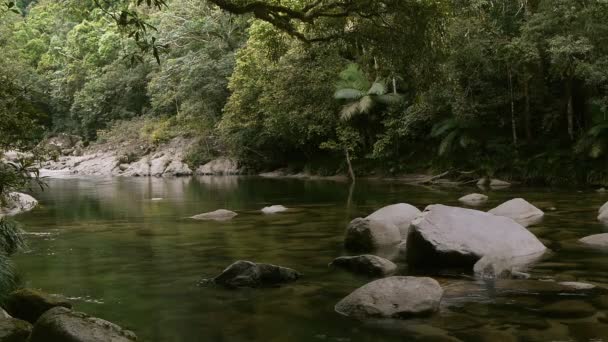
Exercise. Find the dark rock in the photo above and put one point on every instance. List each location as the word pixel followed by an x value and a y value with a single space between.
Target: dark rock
pixel 29 305
pixel 367 264
pixel 14 330
pixel 568 309
pixel 63 325
pixel 393 297
pixel 249 274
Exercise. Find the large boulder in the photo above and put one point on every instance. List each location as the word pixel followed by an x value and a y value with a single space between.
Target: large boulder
pixel 14 330
pixel 17 203
pixel 597 240
pixel 62 325
pixel 217 215
pixel 274 209
pixel 603 212
pixel 519 210
pixel 499 184
pixel 450 236
pixel 473 199
pixel 219 167
pixel 29 305
pixel 400 215
pixel 370 265
pixel 250 274
pixel 177 168
pixel 365 235
pixel 393 297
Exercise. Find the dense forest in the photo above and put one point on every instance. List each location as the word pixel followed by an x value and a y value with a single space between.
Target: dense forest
pixel 514 88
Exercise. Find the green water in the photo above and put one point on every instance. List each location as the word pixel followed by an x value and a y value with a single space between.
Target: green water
pixel 123 257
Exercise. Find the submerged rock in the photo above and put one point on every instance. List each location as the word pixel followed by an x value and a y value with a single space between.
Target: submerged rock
pixel 500 267
pixel 568 309
pixel 365 235
pixel 367 264
pixel 29 305
pixel 400 215
pixel 577 285
pixel 473 199
pixel 217 215
pixel 250 274
pixel 497 183
pixel 14 330
pixel 449 236
pixel 393 297
pixel 61 325
pixel 274 209
pixel 597 240
pixel 519 210
pixel 18 203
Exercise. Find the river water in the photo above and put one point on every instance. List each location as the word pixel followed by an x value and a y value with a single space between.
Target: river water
pixel 120 255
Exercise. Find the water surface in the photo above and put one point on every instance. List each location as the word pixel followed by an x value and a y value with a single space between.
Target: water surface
pixel 136 261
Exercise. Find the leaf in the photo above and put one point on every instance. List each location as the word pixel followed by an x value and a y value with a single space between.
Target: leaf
pixel 348 94
pixel 446 143
pixel 377 89
pixel 442 127
pixel 349 111
pixel 389 99
pixel 366 104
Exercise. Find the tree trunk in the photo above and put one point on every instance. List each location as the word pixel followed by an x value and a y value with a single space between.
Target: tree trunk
pixel 570 109
pixel 527 118
pixel 351 173
pixel 394 86
pixel 513 126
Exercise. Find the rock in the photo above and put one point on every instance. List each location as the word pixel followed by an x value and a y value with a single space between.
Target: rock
pixel 601 190
pixel 249 274
pixel 603 213
pixel 568 309
pixel 18 203
pixel 140 168
pixel 62 325
pixel 177 169
pixel 473 199
pixel 14 330
pixel 219 167
pixel 4 314
pixel 217 215
pixel 483 181
pixel 366 235
pixel 519 210
pixel 274 209
pixel 367 264
pixel 597 240
pixel 449 236
pixel 499 267
pixel 158 165
pixel 123 167
pixel 29 305
pixel 400 215
pixel 577 285
pixel 393 297
pixel 497 184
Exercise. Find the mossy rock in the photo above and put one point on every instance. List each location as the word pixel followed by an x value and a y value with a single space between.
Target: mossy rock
pixel 14 330
pixel 29 305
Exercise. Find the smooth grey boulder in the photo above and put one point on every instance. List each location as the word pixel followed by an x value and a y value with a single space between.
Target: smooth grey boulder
pixel 14 330
pixel 370 265
pixel 63 325
pixel 603 213
pixel 393 297
pixel 217 215
pixel 444 236
pixel 29 305
pixel 401 215
pixel 18 203
pixel 473 199
pixel 250 274
pixel 274 209
pixel 497 183
pixel 519 210
pixel 365 235
pixel 597 240
pixel 219 167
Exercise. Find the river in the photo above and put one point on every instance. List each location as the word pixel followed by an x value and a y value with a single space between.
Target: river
pixel 125 250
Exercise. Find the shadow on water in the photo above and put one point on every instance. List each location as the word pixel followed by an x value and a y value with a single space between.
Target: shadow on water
pixel 124 249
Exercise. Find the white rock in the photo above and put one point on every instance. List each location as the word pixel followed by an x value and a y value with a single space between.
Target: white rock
pixel 217 215
pixel 18 203
pixel 400 215
pixel 177 168
pixel 578 285
pixel 273 209
pixel 497 183
pixel 597 240
pixel 451 236
pixel 365 235
pixel 219 167
pixel 519 210
pixel 473 199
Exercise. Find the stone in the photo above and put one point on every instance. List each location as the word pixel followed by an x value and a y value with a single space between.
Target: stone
pixel 250 274
pixel 177 168
pixel 393 297
pixel 217 215
pixel 483 181
pixel 498 184
pixel 400 215
pixel 473 199
pixel 577 285
pixel 597 240
pixel 274 209
pixel 370 265
pixel 603 213
pixel 18 203
pixel 29 305
pixel 14 330
pixel 519 210
pixel 219 167
pixel 158 165
pixel 444 236
pixel 365 235
pixel 568 309
pixel 62 325
pixel 499 267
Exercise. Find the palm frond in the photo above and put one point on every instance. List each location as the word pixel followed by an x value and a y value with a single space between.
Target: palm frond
pixel 366 104
pixel 348 94
pixel 389 99
pixel 11 237
pixel 440 128
pixel 597 129
pixel 349 111
pixel 377 88
pixel 354 78
pixel 447 142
